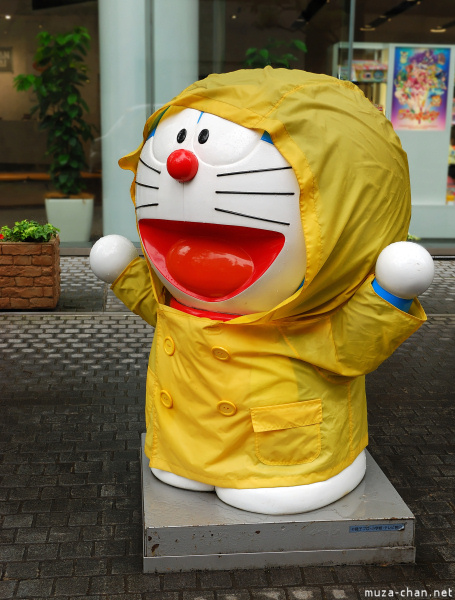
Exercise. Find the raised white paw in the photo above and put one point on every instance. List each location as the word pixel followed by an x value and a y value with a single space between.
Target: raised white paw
pixel 404 269
pixel 110 255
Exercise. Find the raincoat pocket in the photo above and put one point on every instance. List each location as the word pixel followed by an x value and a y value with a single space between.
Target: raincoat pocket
pixel 288 434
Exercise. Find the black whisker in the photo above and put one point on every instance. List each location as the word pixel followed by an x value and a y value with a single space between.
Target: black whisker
pixel 256 193
pixel 253 171
pixel 149 167
pixel 152 187
pixel 231 212
pixel 145 205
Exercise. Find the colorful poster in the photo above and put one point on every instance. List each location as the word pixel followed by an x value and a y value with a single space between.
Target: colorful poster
pixel 420 88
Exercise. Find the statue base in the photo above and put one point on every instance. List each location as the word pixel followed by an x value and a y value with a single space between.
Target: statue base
pixel 186 531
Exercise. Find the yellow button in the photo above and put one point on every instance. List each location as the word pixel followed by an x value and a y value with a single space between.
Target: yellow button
pixel 226 408
pixel 220 353
pixel 169 346
pixel 166 399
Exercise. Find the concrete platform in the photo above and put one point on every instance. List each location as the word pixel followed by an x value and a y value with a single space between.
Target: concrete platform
pixel 186 530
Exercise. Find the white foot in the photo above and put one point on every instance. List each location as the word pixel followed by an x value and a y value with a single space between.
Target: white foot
pixel 297 499
pixel 182 482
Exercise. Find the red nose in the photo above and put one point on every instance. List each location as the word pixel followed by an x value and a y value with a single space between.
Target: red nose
pixel 182 165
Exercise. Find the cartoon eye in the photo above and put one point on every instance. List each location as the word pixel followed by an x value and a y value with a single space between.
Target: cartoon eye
pixel 214 140
pixel 174 131
pixel 203 136
pixel 227 143
pixel 182 135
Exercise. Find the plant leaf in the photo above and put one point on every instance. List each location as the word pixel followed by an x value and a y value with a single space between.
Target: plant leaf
pixel 299 45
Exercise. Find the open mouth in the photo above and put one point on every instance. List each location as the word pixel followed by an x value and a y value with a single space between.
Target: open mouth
pixel 209 261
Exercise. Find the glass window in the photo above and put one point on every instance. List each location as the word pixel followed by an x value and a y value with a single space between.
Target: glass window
pixel 24 165
pixel 235 34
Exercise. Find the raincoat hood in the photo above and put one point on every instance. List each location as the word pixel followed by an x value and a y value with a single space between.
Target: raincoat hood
pixel 349 163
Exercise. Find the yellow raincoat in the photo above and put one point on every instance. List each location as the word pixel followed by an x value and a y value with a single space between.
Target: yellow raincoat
pixel 278 398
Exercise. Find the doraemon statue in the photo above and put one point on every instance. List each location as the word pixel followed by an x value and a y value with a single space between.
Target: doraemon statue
pixel 273 208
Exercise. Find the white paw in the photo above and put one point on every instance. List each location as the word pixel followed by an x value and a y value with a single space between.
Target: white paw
pixel 110 255
pixel 404 269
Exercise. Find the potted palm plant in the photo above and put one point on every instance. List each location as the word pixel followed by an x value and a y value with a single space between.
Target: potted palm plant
pixel 59 60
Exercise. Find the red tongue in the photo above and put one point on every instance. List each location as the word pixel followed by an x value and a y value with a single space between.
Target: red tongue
pixel 210 261
pixel 209 267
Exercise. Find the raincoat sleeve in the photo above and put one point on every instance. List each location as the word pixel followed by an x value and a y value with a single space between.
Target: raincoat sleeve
pixel 134 288
pixel 368 329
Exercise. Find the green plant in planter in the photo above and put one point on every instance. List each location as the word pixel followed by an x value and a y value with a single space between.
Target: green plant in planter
pixel 28 231
pixel 276 53
pixel 62 71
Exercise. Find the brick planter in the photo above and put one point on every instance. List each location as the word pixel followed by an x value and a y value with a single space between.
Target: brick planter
pixel 29 275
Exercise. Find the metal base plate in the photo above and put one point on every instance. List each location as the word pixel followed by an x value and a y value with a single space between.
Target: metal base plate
pixel 186 530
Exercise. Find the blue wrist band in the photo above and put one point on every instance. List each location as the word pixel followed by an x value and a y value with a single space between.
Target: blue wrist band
pixel 400 303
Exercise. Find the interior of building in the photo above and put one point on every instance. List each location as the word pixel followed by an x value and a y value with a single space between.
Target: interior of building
pixel 360 40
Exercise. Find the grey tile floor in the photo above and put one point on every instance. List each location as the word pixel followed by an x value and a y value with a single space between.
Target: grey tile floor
pixel 72 387
pixel 82 291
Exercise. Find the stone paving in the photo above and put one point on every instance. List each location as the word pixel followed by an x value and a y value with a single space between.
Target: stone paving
pixel 72 401
pixel 82 291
